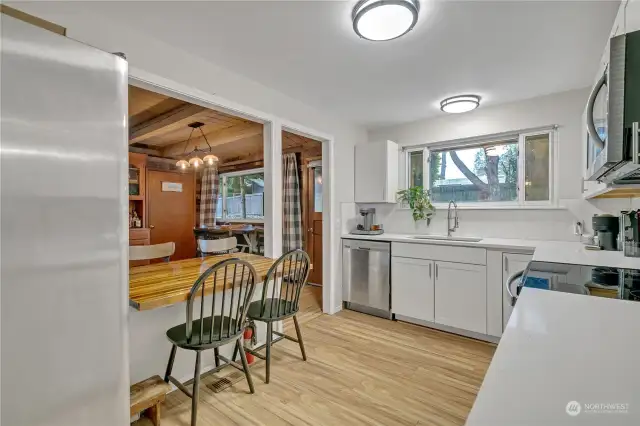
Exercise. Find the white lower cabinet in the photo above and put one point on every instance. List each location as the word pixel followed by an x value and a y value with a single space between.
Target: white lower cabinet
pixel 412 293
pixel 461 296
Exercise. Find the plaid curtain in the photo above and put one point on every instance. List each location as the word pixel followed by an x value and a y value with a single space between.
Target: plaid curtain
pixel 209 196
pixel 292 214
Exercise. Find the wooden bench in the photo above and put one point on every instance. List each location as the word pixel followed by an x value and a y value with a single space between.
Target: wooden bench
pixel 146 396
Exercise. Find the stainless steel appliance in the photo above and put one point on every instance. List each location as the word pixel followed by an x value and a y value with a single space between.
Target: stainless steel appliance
pixel 368 225
pixel 366 280
pixel 65 341
pixel 615 283
pixel 630 232
pixel 613 115
pixel 607 228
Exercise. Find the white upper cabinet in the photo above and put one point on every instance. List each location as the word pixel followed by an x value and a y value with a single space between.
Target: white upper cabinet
pixel 376 172
pixel 632 16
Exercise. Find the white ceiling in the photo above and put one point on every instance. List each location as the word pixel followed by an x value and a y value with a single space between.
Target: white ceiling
pixel 501 50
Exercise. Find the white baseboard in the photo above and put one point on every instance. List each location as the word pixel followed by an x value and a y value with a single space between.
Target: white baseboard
pixel 446 328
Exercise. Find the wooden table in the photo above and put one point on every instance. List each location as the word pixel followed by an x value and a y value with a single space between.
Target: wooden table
pixel 162 284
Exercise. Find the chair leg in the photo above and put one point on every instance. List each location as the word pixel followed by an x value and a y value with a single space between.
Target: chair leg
pixel 295 322
pixel 172 358
pixel 236 349
pixel 268 360
pixel 196 391
pixel 245 365
pixel 216 353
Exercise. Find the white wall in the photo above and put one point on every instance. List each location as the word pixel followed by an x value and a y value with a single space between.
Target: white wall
pixel 84 23
pixel 563 109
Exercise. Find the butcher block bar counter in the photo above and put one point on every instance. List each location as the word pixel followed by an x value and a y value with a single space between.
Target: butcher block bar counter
pixel 162 284
pixel 157 302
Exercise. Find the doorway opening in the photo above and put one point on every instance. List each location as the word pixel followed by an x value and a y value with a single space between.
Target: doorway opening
pixel 219 183
pixel 272 128
pixel 305 154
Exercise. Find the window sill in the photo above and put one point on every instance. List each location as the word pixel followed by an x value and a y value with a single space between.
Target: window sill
pixel 494 207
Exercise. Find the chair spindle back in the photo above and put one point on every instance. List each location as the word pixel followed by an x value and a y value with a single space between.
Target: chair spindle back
pixel 288 276
pixel 232 283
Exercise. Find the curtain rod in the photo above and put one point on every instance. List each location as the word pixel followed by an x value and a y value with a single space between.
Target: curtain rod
pixel 474 140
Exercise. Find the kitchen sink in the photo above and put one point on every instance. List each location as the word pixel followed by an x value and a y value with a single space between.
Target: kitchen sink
pixel 445 238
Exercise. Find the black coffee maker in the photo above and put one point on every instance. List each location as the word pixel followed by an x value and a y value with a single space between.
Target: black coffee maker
pixel 606 227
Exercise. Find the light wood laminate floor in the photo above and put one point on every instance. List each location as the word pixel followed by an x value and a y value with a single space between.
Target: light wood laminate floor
pixel 361 370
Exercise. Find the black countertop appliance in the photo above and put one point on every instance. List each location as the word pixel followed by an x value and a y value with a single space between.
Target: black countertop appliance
pixel 606 228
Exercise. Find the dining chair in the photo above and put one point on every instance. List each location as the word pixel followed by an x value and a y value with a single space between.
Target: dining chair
pixel 220 246
pixel 231 283
pixel 243 246
pixel 154 251
pixel 286 279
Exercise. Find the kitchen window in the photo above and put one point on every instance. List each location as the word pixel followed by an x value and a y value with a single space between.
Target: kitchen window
pixel 515 170
pixel 241 196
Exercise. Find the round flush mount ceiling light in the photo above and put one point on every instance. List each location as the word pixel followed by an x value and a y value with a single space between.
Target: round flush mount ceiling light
pixel 380 20
pixel 458 104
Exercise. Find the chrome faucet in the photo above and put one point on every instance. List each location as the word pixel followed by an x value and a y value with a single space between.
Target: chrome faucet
pixel 456 222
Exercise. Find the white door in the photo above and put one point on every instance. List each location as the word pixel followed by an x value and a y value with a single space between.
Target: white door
pixel 412 293
pixel 461 296
pixel 511 263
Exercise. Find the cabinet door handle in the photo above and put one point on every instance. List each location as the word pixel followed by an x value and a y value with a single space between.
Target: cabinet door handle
pixel 436 270
pixel 429 270
pixel 506 264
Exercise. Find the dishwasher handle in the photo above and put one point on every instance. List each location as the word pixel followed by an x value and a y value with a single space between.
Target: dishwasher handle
pixel 368 246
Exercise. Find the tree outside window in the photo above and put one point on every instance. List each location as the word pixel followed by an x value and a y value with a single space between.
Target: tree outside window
pixel 487 172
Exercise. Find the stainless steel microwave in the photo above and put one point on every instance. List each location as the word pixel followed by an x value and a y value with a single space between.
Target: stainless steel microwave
pixel 613 115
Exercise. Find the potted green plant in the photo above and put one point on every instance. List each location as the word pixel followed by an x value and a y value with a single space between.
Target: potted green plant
pixel 419 202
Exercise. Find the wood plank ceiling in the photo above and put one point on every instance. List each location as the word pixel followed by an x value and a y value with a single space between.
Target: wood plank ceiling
pixel 159 125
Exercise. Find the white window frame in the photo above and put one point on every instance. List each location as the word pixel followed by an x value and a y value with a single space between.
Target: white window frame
pixel 520 203
pixel 223 186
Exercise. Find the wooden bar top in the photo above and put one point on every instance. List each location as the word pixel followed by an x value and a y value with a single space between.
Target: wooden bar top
pixel 162 284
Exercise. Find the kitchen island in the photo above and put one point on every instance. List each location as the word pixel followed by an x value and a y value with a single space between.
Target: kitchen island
pixel 157 299
pixel 564 359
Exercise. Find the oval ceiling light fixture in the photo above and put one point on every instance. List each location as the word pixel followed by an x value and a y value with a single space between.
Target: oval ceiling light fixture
pixel 381 20
pixel 459 104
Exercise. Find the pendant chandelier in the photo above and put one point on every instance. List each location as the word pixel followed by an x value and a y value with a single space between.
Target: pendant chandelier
pixel 194 156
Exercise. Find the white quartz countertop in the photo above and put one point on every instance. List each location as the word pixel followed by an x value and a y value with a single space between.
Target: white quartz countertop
pixel 558 348
pixel 543 251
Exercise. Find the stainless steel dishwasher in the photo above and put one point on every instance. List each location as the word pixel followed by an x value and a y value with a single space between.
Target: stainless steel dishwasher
pixel 366 282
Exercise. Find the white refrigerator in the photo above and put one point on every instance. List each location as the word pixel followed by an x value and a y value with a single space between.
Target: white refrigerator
pixel 64 234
